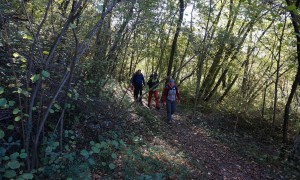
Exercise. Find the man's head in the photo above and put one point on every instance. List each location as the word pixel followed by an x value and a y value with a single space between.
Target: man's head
pixel 155 75
pixel 139 71
pixel 172 82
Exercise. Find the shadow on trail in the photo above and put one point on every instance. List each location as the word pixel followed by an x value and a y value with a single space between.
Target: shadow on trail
pixel 204 156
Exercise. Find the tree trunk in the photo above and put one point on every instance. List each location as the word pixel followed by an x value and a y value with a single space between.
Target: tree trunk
pixel 208 94
pixel 277 75
pixel 113 52
pixel 208 81
pixel 297 77
pixel 223 76
pixel 246 70
pixel 177 74
pixel 288 105
pixel 264 103
pixel 163 45
pixel 131 69
pixel 228 88
pixel 202 55
pixel 174 44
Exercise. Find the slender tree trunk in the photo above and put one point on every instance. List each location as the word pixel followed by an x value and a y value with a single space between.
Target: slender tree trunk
pixel 113 52
pixel 264 103
pixel 267 83
pixel 207 94
pixel 288 105
pixel 177 74
pixel 223 76
pixel 163 45
pixel 186 77
pixel 124 62
pixel 201 56
pixel 131 69
pixel 294 18
pixel 174 44
pixel 246 70
pixel 213 70
pixel 245 89
pixel 277 74
pixel 122 69
pixel 228 88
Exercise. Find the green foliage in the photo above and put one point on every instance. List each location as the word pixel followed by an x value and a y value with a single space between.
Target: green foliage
pixel 84 153
pixel 46 52
pixel 16 111
pixel 27 176
pixel 291 8
pixel 10 127
pixel 45 74
pixel 10 174
pixel 35 78
pixel 2 134
pixel 112 166
pixel 72 163
pixel 12 165
pixel 152 176
pixel 79 170
pixel 18 118
pixel 3 102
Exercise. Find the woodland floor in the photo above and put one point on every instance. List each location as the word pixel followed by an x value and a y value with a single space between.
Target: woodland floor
pixel 203 146
pixel 188 150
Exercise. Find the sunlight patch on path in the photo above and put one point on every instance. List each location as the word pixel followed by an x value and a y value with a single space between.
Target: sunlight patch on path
pixel 162 151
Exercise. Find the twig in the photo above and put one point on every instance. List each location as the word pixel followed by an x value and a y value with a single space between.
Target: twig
pixel 237 119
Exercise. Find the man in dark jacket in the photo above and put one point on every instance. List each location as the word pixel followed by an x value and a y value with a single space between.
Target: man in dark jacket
pixel 153 85
pixel 137 82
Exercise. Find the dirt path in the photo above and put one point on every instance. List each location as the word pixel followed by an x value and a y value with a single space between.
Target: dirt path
pixel 216 160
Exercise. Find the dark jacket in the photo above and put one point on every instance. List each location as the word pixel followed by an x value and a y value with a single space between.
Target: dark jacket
pixel 138 80
pixel 153 83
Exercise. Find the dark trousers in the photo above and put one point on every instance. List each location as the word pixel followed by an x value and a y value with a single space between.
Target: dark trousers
pixel 138 90
pixel 171 108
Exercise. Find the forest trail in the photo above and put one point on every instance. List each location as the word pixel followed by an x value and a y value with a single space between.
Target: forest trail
pixel 216 158
pixel 208 157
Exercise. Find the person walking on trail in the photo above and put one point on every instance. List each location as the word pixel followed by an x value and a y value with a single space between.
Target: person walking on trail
pixel 171 96
pixel 137 82
pixel 153 85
